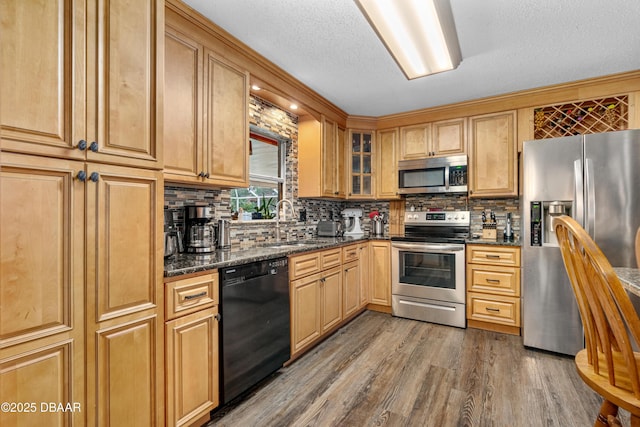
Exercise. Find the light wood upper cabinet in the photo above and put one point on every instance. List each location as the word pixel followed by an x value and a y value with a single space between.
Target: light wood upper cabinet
pixel 493 155
pixel 206 115
pixel 61 98
pixel 360 164
pixel 415 141
pixel 449 137
pixel 321 159
pixel 443 138
pixel 387 164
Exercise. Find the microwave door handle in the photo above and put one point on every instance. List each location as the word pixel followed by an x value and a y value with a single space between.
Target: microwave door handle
pixel 446 178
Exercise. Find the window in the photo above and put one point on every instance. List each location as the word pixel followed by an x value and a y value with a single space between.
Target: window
pixel 267 155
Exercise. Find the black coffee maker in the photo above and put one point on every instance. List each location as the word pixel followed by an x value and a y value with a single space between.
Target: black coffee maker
pixel 200 231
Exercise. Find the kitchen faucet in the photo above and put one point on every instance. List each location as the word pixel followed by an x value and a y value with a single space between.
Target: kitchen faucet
pixel 285 216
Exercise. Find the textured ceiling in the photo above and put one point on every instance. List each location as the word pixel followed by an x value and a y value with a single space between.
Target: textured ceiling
pixel 506 45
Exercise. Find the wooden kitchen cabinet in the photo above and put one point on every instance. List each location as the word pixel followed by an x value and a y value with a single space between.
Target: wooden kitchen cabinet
pixel 442 138
pixel 42 265
pixel 97 242
pixel 62 99
pixel 321 159
pixel 206 114
pixel 493 162
pixel 316 289
pixel 192 353
pixel 351 280
pixel 365 274
pixel 387 164
pixel 493 288
pixel 380 283
pixel 125 310
pixel 360 164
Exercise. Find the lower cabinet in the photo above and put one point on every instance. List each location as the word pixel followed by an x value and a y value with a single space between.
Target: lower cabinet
pixel 380 279
pixel 191 356
pixel 493 288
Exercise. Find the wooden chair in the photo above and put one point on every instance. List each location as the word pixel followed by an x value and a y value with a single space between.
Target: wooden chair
pixel 608 364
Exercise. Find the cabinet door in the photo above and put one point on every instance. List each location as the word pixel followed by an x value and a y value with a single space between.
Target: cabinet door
pixel 227 124
pixel 341 164
pixel 42 65
pixel 415 141
pixel 492 155
pixel 365 274
pixel 351 288
pixel 124 296
pixel 449 137
pixel 41 287
pixel 191 366
pixel 360 158
pixel 305 312
pixel 387 162
pixel 125 82
pixel 329 158
pixel 380 290
pixel 183 110
pixel 331 299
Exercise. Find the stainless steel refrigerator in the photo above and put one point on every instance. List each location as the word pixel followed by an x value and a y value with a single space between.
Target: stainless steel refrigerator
pixel 596 180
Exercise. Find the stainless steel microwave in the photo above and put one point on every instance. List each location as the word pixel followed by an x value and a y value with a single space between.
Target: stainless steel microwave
pixel 433 175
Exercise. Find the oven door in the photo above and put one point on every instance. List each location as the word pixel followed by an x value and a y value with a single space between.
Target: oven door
pixel 433 271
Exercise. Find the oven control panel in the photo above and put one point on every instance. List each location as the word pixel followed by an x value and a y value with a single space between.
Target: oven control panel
pixel 438 218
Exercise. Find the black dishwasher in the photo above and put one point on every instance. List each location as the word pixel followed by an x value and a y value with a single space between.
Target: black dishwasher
pixel 255 326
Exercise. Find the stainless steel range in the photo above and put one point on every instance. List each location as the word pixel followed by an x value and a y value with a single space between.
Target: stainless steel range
pixel 428 267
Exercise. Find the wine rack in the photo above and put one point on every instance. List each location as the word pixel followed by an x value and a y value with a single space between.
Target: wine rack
pixel 582 117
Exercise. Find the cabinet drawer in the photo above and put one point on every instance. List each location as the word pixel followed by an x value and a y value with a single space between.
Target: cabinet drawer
pixel 494 309
pixel 496 255
pixel 331 258
pixel 493 279
pixel 190 295
pixel 350 253
pixel 303 265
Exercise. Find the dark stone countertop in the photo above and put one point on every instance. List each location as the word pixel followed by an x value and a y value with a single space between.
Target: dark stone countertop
pixel 185 263
pixel 630 278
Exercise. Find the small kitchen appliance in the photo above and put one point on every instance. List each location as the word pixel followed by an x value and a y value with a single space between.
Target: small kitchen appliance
pixel 172 237
pixel 200 232
pixel 428 267
pixel 352 222
pixel 329 228
pixel 224 234
pixel 433 175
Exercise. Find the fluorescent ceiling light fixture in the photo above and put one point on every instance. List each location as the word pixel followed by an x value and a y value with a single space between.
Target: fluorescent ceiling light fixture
pixel 419 34
pixel 255 87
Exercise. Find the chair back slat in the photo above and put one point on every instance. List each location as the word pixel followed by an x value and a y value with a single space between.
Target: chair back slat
pixel 610 322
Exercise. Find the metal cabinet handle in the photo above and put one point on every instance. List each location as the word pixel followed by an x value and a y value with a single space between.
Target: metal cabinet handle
pixel 194 296
pixel 493 310
pixel 94 176
pixel 82 176
pixel 493 281
pixel 492 256
pixel 94 147
pixel 201 174
pixel 218 317
pixel 82 145
pixel 206 175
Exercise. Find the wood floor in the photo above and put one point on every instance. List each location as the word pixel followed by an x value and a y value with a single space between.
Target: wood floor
pixel 381 370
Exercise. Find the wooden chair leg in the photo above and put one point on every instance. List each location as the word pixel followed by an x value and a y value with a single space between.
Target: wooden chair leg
pixel 613 421
pixel 606 409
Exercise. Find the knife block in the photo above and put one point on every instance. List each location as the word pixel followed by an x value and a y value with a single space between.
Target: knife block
pixel 489 232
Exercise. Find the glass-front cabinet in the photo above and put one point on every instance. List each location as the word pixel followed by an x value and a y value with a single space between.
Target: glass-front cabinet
pixel 361 161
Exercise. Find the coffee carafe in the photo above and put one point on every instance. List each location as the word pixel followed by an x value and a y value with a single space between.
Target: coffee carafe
pixel 172 237
pixel 200 232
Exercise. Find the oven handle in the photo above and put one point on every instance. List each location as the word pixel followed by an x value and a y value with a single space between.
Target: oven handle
pixel 424 247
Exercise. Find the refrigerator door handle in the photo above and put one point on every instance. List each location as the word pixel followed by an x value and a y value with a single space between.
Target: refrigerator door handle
pixel 590 198
pixel 578 192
